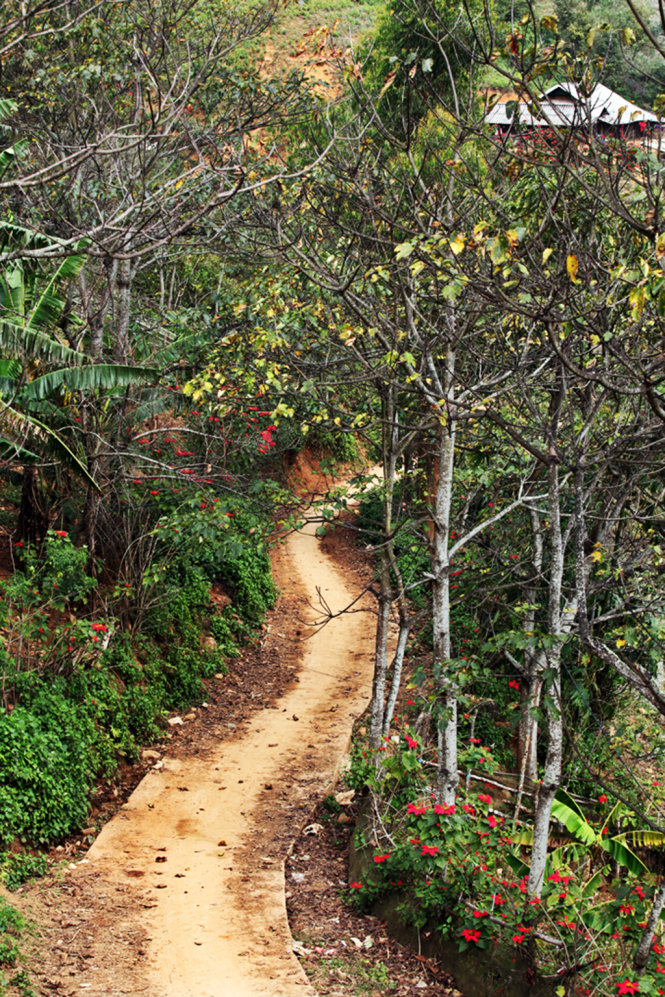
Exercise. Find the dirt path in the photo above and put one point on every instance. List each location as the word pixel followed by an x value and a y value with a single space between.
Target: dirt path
pixel 195 860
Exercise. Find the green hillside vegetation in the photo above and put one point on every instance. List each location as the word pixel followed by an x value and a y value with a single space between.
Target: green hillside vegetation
pixel 207 262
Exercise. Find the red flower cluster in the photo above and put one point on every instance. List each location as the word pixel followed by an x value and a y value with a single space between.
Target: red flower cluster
pixel 628 987
pixel 413 809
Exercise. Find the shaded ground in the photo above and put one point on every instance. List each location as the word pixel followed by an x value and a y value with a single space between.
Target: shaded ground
pixel 344 953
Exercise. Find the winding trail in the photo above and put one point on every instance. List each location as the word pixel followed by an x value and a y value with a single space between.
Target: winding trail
pixel 201 843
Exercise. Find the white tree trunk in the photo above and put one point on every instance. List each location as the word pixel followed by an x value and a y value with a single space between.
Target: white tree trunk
pixel 396 680
pixel 644 948
pixel 381 654
pixel 390 441
pixel 553 762
pixel 527 751
pixel 440 559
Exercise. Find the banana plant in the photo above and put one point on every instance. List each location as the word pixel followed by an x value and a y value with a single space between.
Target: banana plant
pixel 39 371
pixel 598 839
pixel 593 842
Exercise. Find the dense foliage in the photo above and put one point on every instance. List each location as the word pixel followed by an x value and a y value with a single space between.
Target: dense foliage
pixel 202 268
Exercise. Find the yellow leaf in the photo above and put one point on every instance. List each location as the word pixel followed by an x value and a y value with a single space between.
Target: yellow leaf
pixel 637 298
pixel 457 244
pixel 571 266
pixel 546 254
pixel 597 555
pixel 621 643
pixel 390 79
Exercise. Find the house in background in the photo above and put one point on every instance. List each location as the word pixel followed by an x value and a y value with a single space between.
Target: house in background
pixel 564 106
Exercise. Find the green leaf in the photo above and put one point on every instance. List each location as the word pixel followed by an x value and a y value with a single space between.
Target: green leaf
pixel 49 306
pixel 565 797
pixel 29 424
pixel 17 340
pixel 572 820
pixel 92 377
pixel 625 856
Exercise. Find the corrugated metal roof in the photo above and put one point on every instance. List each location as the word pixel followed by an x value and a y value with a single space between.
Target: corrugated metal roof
pixel 563 106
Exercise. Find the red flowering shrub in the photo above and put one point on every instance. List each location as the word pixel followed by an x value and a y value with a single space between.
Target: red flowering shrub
pixel 461 868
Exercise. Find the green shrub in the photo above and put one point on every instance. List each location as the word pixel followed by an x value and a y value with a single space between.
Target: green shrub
pixel 89 692
pixel 12 926
pixel 45 771
pixel 17 868
pixel 246 575
pixel 227 632
pixel 335 444
pixel 56 574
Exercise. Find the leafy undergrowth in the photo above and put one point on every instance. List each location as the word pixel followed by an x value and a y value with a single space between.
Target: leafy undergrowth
pixel 462 870
pixel 13 979
pixel 85 683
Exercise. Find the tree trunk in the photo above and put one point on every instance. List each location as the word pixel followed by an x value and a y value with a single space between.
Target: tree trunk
pixel 390 441
pixel 646 941
pixel 33 519
pixel 397 663
pixel 381 653
pixel 448 777
pixel 553 761
pixel 123 283
pixel 527 743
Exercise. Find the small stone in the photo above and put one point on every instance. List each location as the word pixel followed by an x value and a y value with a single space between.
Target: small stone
pixel 345 798
pixel 150 755
pixel 175 721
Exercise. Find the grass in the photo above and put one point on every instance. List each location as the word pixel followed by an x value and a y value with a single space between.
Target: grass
pixel 287 39
pixel 349 19
pixel 360 978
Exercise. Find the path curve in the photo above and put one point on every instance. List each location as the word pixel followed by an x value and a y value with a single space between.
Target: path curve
pixel 201 843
